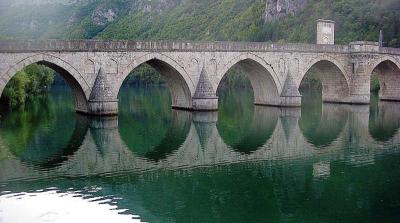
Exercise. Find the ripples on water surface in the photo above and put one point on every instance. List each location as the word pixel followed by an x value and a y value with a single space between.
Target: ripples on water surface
pixel 330 163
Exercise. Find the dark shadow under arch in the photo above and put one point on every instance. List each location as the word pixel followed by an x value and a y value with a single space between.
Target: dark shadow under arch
pixel 263 84
pixel 330 78
pixel 388 74
pixel 81 103
pixel 181 97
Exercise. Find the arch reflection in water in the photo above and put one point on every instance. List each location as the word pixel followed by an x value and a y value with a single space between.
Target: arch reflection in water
pixel 150 128
pixel 46 132
pixel 322 123
pixel 243 126
pixel 384 119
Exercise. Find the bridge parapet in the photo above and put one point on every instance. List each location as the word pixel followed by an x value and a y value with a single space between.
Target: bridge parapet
pixel 389 51
pixel 10 46
pixel 364 47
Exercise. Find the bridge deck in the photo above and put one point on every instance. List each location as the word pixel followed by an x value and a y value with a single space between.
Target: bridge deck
pixel 129 46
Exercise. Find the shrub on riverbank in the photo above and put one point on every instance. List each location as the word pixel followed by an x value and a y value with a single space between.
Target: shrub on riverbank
pixel 29 83
pixel 375 86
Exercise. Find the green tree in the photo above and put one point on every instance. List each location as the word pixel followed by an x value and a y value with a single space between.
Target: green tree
pixel 33 81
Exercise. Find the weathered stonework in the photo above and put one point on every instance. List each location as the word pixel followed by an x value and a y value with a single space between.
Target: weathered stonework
pixel 205 98
pixel 325 32
pixel 102 100
pixel 95 70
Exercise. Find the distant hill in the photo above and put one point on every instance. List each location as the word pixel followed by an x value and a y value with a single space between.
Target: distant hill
pixel 238 20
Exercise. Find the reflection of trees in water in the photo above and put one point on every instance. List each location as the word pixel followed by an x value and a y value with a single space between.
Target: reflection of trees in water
pixel 384 119
pixel 148 125
pixel 321 123
pixel 40 133
pixel 243 126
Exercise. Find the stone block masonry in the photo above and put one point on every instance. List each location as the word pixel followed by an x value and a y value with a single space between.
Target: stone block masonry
pixel 95 70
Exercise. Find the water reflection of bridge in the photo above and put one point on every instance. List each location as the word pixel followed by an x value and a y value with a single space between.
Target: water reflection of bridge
pixel 355 134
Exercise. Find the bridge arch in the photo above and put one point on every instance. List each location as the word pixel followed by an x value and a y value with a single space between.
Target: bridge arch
pixel 383 59
pixel 333 77
pixel 79 86
pixel 264 81
pixel 387 70
pixel 179 81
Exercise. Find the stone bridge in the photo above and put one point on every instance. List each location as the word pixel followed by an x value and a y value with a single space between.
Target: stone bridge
pixel 95 70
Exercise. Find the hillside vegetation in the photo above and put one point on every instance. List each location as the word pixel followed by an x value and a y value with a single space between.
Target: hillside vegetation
pixel 233 20
pixel 213 20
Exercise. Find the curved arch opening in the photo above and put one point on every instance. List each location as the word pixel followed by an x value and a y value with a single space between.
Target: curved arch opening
pixel 385 79
pixel 146 122
pixel 243 126
pixel 39 76
pixel 326 82
pixel 39 124
pixel 250 74
pixel 156 72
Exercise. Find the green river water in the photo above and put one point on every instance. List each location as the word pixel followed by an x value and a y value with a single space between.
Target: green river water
pixel 244 163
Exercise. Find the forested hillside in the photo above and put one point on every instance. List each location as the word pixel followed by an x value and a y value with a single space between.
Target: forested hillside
pixel 238 20
pixel 222 20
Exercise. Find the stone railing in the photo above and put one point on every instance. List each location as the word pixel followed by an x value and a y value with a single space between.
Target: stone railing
pixel 388 50
pixel 126 46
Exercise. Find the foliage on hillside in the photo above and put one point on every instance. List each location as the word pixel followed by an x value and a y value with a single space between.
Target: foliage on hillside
pixel 237 20
pixel 355 20
pixel 193 20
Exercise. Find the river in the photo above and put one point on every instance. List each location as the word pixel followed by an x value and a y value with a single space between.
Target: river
pixel 244 163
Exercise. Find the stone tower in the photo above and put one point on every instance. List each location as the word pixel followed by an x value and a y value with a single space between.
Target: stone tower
pixel 325 32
